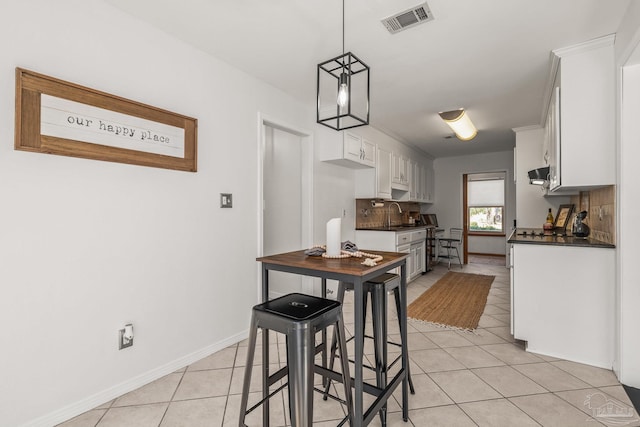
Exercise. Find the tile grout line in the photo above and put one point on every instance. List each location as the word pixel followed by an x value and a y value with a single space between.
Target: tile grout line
pixel 226 402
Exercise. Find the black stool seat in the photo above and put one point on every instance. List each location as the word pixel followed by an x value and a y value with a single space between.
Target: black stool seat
pixel 386 278
pixel 299 317
pixel 298 306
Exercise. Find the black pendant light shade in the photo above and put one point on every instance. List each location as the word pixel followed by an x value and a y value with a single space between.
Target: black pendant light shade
pixel 343 90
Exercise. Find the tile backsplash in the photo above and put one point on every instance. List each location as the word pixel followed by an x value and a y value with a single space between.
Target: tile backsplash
pixel 370 216
pixel 600 205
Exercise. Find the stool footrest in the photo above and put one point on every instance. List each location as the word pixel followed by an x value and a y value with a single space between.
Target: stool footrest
pixel 276 376
pixel 248 411
pixel 381 398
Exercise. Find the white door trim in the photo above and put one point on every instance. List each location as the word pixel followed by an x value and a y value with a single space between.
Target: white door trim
pixel 306 137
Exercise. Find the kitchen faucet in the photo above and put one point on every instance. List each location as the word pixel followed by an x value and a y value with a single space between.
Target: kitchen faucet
pixel 389 212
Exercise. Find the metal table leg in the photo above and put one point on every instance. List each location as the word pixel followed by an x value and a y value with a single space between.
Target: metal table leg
pixel 403 339
pixel 358 412
pixel 265 352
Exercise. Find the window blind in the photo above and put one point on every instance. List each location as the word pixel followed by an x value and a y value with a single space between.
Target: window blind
pixel 485 193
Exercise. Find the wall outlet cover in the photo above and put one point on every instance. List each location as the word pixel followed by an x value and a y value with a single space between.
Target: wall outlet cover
pixel 226 200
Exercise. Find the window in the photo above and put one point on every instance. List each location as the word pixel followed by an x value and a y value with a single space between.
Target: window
pixel 485 201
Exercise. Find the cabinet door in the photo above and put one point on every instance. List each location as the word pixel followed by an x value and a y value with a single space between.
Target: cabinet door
pixel 405 249
pixel 419 259
pixel 512 288
pixel 553 120
pixel 399 172
pixel 383 174
pixel 368 153
pixel 395 168
pixel 404 170
pixel 413 184
pixel 428 184
pixel 413 257
pixel 352 147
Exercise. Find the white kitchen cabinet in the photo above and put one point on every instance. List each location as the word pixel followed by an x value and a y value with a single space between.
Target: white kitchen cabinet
pixel 511 288
pixel 411 242
pixel 400 176
pixel 416 181
pixel 418 259
pixel 383 174
pixel 350 150
pixel 420 182
pixel 579 140
pixel 563 301
pixel 375 182
pixel 428 184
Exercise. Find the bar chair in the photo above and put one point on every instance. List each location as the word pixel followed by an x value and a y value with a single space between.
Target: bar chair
pixel 450 244
pixel 378 288
pixel 299 317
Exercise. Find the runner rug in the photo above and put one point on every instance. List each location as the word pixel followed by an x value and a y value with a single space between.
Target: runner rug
pixel 456 300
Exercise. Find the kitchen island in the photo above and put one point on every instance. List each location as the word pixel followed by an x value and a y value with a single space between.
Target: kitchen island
pixel 562 296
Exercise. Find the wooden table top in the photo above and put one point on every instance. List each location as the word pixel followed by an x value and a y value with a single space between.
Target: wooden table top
pixel 352 266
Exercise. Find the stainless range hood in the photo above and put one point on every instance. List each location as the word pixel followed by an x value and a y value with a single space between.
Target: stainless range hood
pixel 539 176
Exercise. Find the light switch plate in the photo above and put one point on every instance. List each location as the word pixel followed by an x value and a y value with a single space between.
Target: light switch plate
pixel 226 200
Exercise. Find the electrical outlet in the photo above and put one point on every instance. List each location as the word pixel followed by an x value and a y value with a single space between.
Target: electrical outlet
pixel 125 337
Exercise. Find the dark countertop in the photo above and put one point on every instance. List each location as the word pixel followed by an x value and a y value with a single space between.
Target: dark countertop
pixel 397 228
pixel 565 240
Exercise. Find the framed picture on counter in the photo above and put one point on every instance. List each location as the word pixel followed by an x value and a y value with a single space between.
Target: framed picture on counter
pixel 562 217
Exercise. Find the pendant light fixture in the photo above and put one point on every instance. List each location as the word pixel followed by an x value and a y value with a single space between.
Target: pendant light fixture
pixel 460 123
pixel 343 90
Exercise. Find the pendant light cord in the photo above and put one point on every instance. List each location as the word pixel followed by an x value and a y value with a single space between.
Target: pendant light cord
pixel 343 27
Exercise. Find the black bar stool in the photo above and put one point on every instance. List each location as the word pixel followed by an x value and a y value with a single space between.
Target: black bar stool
pixel 299 317
pixel 377 288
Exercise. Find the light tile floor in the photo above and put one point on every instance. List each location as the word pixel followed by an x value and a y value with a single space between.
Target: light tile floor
pixel 461 379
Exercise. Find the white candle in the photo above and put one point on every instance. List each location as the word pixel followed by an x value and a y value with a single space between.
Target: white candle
pixel 334 245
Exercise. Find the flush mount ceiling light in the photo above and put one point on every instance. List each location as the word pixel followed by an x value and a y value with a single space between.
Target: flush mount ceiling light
pixel 460 123
pixel 343 90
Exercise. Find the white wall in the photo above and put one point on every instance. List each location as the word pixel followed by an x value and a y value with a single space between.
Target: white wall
pixel 448 192
pixel 531 205
pixel 88 246
pixel 627 364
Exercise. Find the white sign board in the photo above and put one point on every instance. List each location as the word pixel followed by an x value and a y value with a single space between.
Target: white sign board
pixel 62 118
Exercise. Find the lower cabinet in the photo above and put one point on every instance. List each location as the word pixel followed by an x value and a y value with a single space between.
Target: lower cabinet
pixel 411 242
pixel 563 301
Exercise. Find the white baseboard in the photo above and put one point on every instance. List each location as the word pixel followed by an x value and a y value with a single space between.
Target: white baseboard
pixel 63 414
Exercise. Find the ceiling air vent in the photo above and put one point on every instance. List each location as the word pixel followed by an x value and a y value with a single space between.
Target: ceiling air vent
pixel 409 18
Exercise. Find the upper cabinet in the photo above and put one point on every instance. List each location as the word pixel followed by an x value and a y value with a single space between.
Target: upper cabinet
pixel 421 183
pixel 383 174
pixel 415 180
pixel 397 173
pixel 375 182
pixel 579 133
pixel 349 150
pixel 400 172
pixel 428 184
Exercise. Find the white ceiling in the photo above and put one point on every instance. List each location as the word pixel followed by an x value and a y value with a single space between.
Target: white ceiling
pixel 489 56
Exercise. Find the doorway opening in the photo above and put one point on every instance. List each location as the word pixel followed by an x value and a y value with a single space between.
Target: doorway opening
pixel 483 215
pixel 285 193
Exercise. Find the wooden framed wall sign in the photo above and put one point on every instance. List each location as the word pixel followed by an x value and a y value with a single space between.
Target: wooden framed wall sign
pixel 58 117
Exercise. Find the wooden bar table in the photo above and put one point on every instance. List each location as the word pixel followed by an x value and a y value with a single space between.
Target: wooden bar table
pixel 350 270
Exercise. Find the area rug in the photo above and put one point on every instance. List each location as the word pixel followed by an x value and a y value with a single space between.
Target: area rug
pixel 457 300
